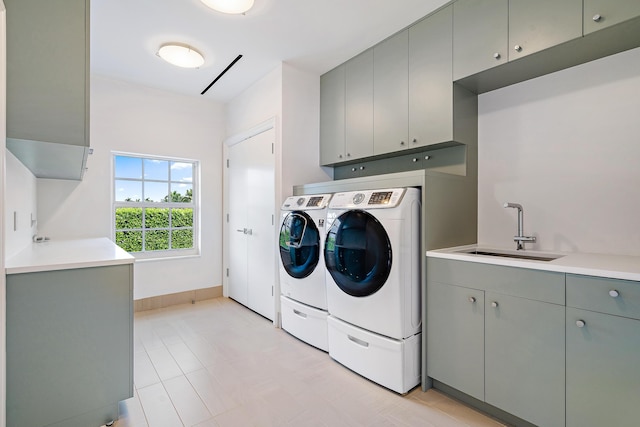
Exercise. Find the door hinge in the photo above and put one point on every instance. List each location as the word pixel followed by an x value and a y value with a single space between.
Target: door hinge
pixel 273 220
pixel 227 217
pixel 227 163
pixel 272 148
pixel 227 272
pixel 272 291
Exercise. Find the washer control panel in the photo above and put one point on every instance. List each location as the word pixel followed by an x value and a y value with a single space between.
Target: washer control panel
pixel 368 199
pixel 308 202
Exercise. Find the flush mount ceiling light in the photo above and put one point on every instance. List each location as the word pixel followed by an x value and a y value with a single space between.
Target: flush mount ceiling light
pixel 229 6
pixel 181 55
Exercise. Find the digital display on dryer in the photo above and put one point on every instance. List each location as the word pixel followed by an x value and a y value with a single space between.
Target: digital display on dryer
pixel 380 198
pixel 314 202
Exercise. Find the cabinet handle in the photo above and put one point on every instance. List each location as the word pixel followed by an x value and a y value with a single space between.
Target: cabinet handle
pixel 597 18
pixel 580 323
pixel 348 154
pixel 361 168
pixel 415 159
pixel 496 55
pixel 415 140
pixel 353 169
pixel 494 304
pixel 339 156
pixel 518 48
pixel 613 293
pixel 300 314
pixel 427 157
pixel 401 142
pixel 472 299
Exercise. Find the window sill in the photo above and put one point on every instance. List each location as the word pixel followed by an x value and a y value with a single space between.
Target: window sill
pixel 165 256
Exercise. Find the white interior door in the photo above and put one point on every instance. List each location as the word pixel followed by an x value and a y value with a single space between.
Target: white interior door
pixel 252 238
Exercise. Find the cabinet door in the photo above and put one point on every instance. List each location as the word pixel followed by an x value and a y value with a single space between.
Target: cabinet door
pixel 540 24
pixel 69 344
pixel 602 369
pixel 480 35
pixel 359 102
pixel 390 94
pixel 525 358
pixel 332 116
pixel 455 337
pixel 599 14
pixel 430 85
pixel 48 71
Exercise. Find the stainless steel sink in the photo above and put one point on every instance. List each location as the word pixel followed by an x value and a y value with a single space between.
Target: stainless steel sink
pixel 505 254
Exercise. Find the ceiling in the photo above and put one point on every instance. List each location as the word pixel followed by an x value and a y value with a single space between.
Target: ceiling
pixel 311 35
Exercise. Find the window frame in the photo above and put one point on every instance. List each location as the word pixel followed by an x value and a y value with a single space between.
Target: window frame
pixel 194 205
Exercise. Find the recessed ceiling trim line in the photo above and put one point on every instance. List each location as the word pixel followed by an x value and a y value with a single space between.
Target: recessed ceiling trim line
pixel 221 74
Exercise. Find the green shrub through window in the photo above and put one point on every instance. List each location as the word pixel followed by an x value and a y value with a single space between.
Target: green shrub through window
pixel 154 204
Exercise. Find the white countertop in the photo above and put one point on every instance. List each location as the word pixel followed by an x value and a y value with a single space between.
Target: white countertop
pixel 67 254
pixel 624 267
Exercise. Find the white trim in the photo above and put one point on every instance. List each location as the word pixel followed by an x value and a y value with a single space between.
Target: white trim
pixel 249 133
pixel 3 181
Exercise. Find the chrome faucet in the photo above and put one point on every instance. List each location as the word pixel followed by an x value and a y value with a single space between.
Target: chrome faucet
pixel 520 238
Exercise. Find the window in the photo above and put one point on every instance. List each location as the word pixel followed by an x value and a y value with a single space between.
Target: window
pixel 155 205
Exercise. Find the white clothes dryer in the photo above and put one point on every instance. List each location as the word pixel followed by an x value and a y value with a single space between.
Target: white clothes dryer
pixel 372 255
pixel 302 271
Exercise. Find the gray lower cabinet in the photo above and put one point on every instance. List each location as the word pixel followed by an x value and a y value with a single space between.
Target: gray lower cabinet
pixel 69 346
pixel 600 14
pixel 48 85
pixel 497 334
pixel 455 331
pixel 603 351
pixel 524 358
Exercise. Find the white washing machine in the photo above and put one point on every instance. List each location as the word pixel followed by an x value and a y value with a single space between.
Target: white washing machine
pixel 372 255
pixel 302 271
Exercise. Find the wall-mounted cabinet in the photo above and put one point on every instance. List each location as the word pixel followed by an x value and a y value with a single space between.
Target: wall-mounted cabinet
pixel 48 85
pixel 399 96
pixel 601 14
pixel 488 33
pixel 346 109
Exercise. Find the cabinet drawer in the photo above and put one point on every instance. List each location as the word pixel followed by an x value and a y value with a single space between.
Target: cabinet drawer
pixel 604 295
pixel 537 285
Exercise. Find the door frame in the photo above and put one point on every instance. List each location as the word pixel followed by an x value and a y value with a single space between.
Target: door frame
pixel 227 143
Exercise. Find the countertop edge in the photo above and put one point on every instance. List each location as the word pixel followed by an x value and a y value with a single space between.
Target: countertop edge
pixel 623 267
pixel 67 255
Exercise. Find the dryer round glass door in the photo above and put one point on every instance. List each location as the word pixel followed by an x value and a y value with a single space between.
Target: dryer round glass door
pixel 299 244
pixel 357 253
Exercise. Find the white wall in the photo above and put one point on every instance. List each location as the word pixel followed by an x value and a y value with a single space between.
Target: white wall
pixel 20 197
pixel 132 118
pixel 567 147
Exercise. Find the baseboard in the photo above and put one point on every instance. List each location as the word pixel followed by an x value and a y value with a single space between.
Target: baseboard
pixel 185 297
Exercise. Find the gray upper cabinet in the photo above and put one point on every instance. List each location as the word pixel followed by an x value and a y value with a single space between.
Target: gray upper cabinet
pixel 599 14
pixel 390 89
pixel 431 103
pixel 48 85
pixel 480 35
pixel 488 33
pixel 332 111
pixel 534 26
pixel 359 106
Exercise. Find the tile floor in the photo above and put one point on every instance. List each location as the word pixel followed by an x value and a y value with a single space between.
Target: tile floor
pixel 217 364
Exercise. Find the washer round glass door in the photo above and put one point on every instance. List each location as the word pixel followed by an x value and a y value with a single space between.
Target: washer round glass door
pixel 357 253
pixel 299 244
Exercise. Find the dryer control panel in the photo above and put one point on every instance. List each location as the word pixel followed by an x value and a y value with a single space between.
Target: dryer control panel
pixel 368 199
pixel 307 202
